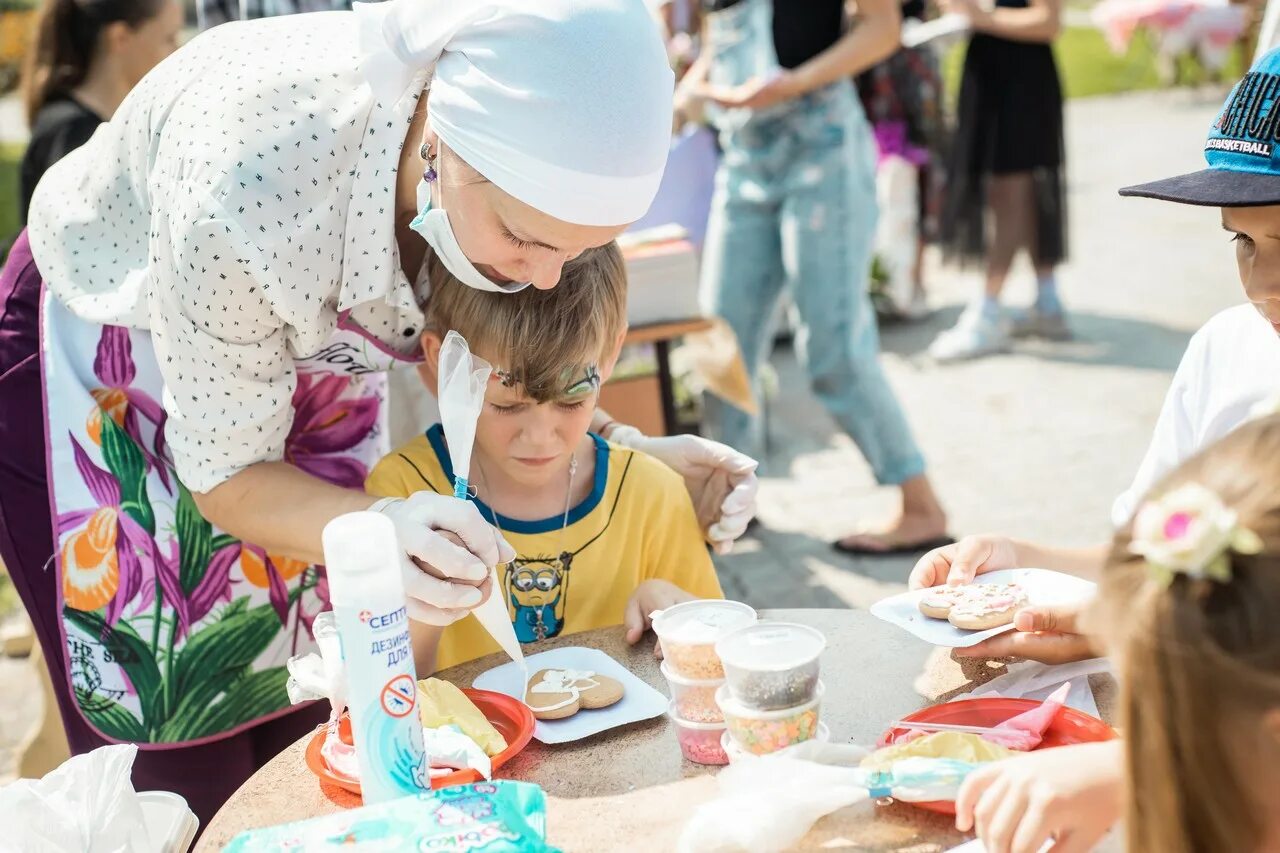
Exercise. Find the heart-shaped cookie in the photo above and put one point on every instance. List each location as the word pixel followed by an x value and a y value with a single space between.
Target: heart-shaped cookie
pixel 554 694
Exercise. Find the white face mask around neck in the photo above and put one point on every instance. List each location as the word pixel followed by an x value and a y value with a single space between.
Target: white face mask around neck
pixel 433 224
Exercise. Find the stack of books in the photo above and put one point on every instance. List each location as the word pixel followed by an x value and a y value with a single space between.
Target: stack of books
pixel 662 272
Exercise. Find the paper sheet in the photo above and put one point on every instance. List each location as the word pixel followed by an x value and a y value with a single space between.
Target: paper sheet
pixel 463 380
pixel 639 702
pixel 916 33
pixel 1031 680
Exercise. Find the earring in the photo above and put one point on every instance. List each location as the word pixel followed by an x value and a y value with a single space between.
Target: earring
pixel 430 175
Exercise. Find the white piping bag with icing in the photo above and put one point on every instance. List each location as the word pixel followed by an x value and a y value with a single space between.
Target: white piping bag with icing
pixel 463 379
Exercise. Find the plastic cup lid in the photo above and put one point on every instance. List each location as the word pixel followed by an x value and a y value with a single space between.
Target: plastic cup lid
pixel 701 622
pixel 771 646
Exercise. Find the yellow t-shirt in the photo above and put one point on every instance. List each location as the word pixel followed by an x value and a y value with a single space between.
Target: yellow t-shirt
pixel 637 524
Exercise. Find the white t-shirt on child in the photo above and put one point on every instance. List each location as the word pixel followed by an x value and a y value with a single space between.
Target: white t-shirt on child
pixel 1231 365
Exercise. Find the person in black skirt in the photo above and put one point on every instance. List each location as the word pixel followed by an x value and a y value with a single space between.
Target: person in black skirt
pixel 1006 189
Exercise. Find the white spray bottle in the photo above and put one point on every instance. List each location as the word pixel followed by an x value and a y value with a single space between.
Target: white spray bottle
pixel 363 562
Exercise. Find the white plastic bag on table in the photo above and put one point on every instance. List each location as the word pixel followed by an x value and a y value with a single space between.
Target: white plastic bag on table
pixel 769 802
pixel 898 229
pixel 87 805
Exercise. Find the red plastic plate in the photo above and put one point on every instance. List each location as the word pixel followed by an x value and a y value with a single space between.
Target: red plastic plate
pixel 509 716
pixel 1068 727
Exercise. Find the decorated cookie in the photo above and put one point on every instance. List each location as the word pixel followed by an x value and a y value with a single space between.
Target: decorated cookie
pixel 937 602
pixel 554 694
pixel 987 605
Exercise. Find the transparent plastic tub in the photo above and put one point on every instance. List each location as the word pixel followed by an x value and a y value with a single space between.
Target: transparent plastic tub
pixel 701 743
pixel 689 633
pixel 694 700
pixel 772 665
pixel 737 753
pixel 762 732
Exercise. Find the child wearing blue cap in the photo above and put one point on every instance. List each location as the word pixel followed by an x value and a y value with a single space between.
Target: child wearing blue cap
pixel 1229 375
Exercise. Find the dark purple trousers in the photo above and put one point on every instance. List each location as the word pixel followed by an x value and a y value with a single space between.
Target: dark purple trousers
pixel 205 775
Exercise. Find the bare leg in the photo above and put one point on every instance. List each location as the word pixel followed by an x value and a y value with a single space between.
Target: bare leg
pixel 922 520
pixel 1012 212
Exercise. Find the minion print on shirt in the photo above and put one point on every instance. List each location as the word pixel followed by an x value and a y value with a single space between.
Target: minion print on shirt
pixel 537 594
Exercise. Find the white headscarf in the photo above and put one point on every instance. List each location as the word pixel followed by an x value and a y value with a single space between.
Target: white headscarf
pixel 564 104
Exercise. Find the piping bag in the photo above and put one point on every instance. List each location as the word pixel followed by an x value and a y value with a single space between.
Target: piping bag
pixel 463 379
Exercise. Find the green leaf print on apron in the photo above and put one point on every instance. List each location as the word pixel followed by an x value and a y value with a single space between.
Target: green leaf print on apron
pixel 177 632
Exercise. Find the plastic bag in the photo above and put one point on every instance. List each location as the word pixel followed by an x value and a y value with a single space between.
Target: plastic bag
pixel 87 805
pixel 314 677
pixel 497 817
pixel 769 802
pixel 463 380
pixel 897 229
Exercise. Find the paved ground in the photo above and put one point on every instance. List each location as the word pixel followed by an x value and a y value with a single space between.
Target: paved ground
pixel 1034 444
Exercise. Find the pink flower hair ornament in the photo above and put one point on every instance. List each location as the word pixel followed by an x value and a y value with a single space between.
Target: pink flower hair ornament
pixel 1190 531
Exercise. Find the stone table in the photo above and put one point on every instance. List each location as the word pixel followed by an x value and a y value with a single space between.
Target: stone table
pixel 630 789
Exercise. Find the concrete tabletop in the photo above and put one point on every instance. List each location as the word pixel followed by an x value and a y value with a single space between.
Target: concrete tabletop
pixel 630 789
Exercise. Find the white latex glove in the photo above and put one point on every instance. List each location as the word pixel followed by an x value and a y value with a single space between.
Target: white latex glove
pixel 721 481
pixel 423 522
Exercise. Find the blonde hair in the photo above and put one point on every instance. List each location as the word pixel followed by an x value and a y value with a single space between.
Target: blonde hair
pixel 1199 663
pixel 546 339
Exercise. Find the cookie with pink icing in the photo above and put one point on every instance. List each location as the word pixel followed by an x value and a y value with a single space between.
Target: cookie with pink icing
pixel 553 694
pixel 936 603
pixel 987 605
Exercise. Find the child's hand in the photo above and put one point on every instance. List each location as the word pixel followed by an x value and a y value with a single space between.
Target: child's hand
pixel 1050 634
pixel 648 597
pixel 1072 794
pixel 962 562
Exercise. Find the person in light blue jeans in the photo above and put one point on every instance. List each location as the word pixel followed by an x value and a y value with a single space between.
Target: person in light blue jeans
pixel 795 207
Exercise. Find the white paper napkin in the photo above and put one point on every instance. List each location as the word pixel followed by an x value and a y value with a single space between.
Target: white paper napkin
pixel 1031 680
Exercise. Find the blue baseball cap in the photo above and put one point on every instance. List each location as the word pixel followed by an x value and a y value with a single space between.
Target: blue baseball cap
pixel 1242 151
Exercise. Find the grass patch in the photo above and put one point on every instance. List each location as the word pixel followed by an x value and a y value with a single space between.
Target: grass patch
pixel 1089 67
pixel 10 224
pixel 9 602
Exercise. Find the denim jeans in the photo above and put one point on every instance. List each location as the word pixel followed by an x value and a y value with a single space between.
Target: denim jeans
pixel 795 208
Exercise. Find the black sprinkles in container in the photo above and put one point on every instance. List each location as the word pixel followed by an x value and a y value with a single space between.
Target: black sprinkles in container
pixel 772 666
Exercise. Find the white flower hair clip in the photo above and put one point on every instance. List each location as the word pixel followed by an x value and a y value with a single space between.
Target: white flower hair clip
pixel 1190 531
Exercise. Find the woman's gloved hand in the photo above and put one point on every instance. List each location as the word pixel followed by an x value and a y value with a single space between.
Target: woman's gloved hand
pixel 721 481
pixel 449 554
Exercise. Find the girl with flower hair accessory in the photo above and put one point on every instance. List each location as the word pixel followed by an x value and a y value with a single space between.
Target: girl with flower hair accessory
pixel 1187 610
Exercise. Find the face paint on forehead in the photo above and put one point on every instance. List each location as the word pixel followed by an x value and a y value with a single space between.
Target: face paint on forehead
pixel 585 382
pixel 588 383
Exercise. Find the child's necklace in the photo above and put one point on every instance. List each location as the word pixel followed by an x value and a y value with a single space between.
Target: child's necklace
pixel 540 629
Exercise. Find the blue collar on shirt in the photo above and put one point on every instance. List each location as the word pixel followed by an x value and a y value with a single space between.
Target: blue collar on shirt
pixel 511 525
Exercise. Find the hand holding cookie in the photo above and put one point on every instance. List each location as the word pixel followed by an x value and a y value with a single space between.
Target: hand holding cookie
pixel 963 561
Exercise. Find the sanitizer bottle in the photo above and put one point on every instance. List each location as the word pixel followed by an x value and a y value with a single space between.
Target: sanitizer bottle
pixel 363 561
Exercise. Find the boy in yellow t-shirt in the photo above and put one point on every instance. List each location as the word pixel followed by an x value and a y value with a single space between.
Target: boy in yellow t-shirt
pixel 603 535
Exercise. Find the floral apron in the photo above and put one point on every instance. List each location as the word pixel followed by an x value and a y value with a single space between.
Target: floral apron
pixel 177 632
